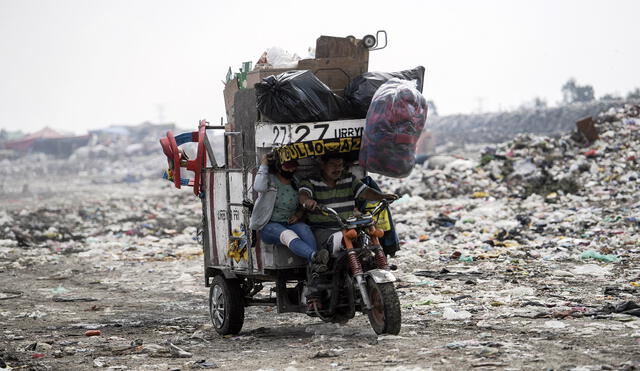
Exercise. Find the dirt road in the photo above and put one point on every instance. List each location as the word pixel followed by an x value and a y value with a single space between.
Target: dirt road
pixel 131 267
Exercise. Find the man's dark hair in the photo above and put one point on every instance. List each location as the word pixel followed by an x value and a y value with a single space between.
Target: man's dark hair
pixel 330 156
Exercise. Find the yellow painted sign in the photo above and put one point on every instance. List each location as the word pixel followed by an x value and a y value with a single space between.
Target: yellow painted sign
pixel 299 150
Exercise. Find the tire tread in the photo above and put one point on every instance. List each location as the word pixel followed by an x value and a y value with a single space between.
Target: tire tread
pixel 392 312
pixel 234 305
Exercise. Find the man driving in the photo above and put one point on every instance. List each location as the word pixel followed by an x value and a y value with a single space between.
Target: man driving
pixel 337 189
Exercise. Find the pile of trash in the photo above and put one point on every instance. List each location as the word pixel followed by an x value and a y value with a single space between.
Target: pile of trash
pixel 39 234
pixel 563 201
pixel 40 175
pixel 551 198
pixel 501 261
pixel 540 236
pixel 550 166
pixel 497 127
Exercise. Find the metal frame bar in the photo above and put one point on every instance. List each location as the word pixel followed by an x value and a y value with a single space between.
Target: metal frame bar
pixel 244 172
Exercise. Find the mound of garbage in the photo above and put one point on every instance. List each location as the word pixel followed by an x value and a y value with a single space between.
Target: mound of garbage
pixel 497 127
pixel 549 166
pixel 558 198
pixel 502 259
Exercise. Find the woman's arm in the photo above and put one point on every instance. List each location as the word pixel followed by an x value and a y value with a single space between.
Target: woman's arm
pixel 261 181
pixel 297 216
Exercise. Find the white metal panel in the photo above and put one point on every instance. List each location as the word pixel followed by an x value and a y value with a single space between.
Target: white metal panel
pixel 235 215
pixel 269 134
pixel 250 179
pixel 267 255
pixel 214 144
pixel 208 178
pixel 220 216
pixel 235 182
pixel 279 256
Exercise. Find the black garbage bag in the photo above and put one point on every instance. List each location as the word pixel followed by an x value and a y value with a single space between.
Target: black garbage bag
pixel 297 96
pixel 361 89
pixel 626 307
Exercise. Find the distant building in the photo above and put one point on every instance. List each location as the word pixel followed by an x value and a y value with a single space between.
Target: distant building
pixel 132 134
pixel 47 141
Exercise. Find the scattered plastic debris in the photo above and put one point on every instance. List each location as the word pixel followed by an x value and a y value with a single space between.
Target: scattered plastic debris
pixel 451 314
pixel 532 245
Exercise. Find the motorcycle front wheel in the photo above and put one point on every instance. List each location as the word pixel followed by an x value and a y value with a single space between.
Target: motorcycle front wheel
pixel 384 315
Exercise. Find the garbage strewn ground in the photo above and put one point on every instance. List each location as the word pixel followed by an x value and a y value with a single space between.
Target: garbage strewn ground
pixel 527 259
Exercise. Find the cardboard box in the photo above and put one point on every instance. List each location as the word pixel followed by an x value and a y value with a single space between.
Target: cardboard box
pixel 336 72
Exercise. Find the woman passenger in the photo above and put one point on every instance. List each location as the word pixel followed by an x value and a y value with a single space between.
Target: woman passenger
pixel 277 214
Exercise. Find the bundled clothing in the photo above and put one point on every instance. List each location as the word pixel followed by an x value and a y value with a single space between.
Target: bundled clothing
pixel 395 120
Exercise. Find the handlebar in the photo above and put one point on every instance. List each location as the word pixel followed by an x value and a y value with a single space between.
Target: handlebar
pixel 327 210
pixel 384 203
pixel 330 212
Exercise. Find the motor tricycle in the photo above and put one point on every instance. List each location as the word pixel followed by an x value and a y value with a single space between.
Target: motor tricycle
pixel 238 265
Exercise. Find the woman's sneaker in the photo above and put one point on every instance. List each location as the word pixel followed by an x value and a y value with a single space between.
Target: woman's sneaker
pixel 319 261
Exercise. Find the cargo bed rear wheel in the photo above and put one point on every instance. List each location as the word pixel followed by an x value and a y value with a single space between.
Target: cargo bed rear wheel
pixel 226 305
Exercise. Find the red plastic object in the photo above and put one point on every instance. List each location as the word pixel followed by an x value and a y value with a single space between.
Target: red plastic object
pixel 591 153
pixel 170 149
pixel 200 161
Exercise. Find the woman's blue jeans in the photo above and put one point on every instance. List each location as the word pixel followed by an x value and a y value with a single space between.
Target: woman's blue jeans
pixel 305 243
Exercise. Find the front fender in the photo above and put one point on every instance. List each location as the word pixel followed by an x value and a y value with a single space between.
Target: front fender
pixel 380 275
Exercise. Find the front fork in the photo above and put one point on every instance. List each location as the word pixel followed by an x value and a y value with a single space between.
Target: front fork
pixel 356 268
pixel 381 259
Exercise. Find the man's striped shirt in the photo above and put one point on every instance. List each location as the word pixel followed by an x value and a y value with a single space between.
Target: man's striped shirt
pixel 341 198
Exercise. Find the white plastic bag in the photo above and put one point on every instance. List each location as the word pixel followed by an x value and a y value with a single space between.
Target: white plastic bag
pixel 280 58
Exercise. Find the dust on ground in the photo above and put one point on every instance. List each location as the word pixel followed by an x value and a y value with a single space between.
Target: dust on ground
pixel 136 276
pixel 501 267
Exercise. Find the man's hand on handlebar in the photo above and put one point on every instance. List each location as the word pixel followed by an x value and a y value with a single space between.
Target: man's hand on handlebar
pixel 310 204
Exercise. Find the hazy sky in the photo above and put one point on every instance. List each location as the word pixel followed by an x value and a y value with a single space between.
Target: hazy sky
pixel 84 64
